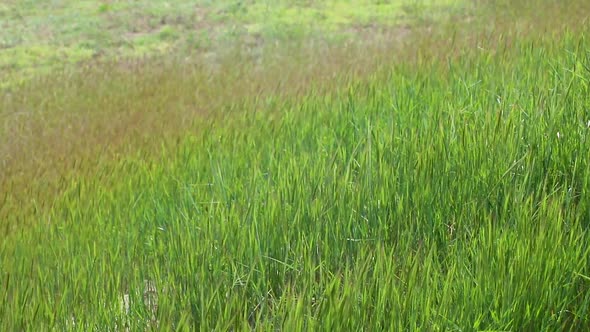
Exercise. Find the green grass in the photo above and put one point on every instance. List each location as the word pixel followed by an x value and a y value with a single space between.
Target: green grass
pixel 446 191
pixel 39 36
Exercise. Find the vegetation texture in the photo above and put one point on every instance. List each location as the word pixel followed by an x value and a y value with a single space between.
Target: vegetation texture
pixel 433 182
pixel 38 36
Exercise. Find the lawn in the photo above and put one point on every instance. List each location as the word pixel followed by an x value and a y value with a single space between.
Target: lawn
pixel 425 172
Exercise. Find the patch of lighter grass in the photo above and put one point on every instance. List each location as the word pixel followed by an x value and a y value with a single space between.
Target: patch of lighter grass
pixel 22 57
pixel 38 35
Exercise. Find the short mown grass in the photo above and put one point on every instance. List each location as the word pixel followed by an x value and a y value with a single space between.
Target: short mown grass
pixel 446 191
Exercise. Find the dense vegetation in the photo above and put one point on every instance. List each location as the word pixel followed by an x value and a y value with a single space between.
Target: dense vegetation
pixel 438 182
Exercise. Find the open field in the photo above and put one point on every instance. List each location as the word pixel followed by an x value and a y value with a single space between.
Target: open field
pixel 430 174
pixel 38 36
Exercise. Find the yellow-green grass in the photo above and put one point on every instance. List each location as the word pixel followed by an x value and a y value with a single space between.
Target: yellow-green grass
pixel 38 36
pixel 444 192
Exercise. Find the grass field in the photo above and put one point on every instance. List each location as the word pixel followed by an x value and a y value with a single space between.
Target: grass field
pixel 38 36
pixel 425 175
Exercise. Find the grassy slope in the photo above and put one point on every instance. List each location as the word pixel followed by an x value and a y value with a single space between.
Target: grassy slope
pixel 443 194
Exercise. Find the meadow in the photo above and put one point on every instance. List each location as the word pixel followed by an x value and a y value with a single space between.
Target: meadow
pixel 428 173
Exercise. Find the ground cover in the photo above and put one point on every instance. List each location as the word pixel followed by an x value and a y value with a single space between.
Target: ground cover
pixel 38 36
pixel 49 135
pixel 443 191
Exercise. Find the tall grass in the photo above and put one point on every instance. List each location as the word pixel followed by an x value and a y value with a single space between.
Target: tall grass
pixel 444 194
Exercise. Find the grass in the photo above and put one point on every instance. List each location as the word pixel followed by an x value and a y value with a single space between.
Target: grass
pixel 443 189
pixel 38 37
